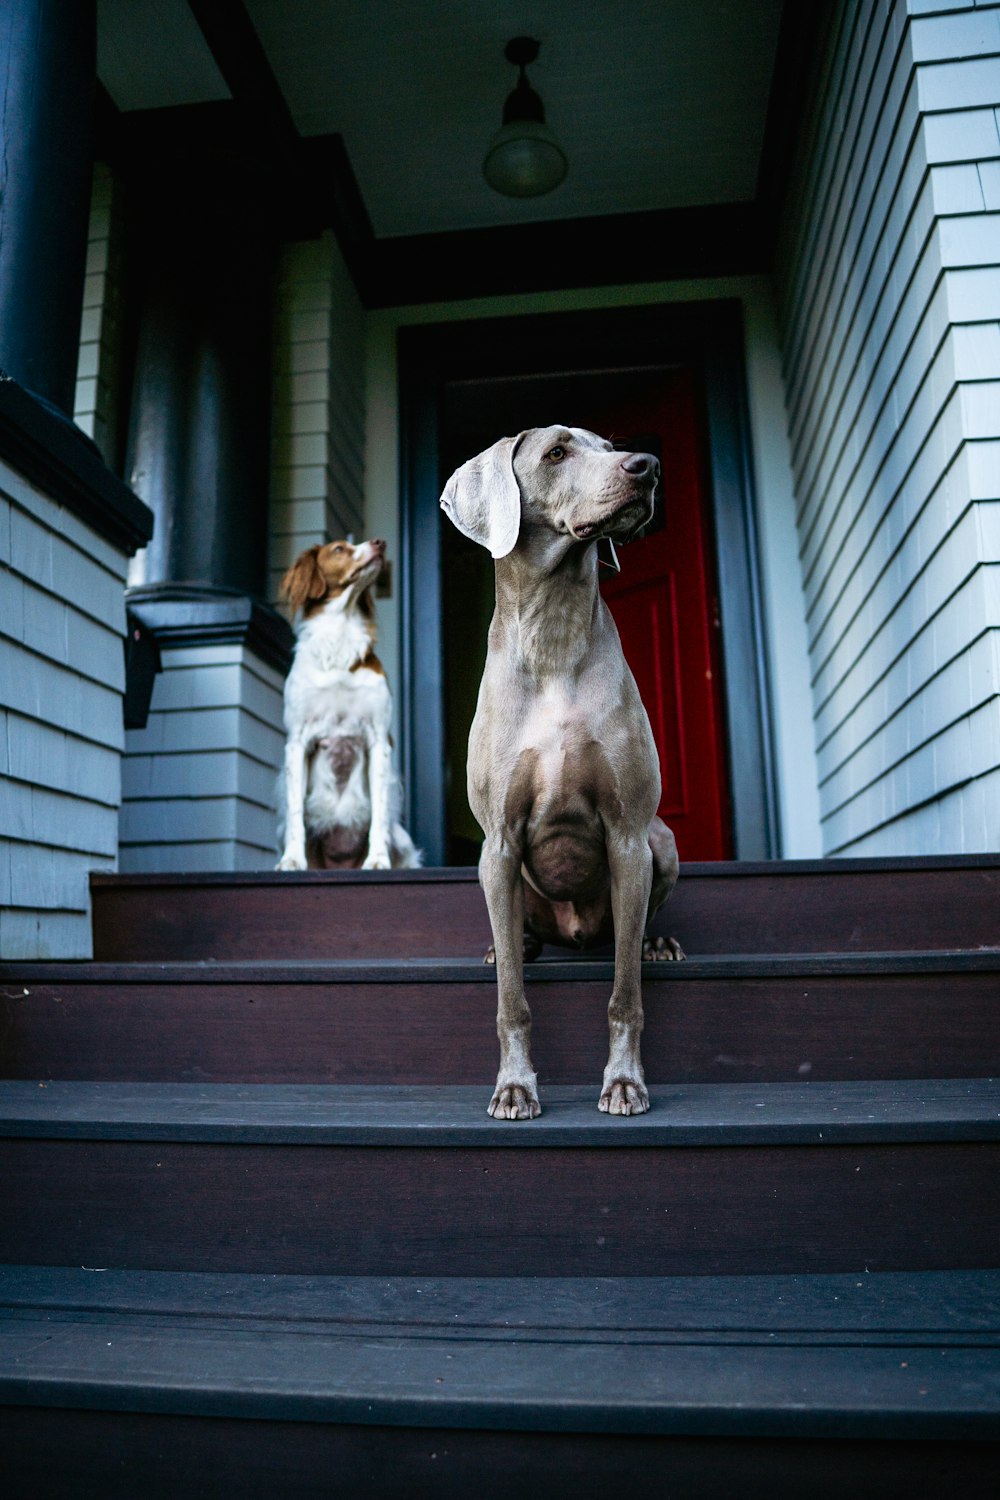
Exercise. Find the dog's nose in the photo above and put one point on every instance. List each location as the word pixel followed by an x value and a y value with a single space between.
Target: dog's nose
pixel 641 465
pixel 377 544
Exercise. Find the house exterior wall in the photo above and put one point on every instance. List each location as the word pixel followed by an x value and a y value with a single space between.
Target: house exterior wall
pixel 95 406
pixel 889 297
pixel 62 624
pixel 199 781
pixel 782 598
pixel 317 466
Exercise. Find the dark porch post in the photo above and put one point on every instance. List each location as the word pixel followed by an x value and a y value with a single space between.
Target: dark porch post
pixel 47 98
pixel 199 429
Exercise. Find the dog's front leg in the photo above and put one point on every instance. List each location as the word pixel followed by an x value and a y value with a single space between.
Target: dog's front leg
pixel 294 854
pixel 516 1094
pixel 380 795
pixel 624 1090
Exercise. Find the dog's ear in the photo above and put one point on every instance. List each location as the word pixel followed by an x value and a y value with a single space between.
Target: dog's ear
pixel 483 500
pixel 303 581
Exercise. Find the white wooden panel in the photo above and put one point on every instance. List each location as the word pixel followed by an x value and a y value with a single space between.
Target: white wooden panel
pixel 182 858
pixel 893 414
pixel 32 935
pixel 207 773
pixel 878 683
pixel 303 416
pixel 185 820
pixel 43 552
pixel 306 448
pixel 973 34
pixel 877 102
pixel 871 646
pixel 933 429
pixel 200 779
pixel 303 483
pixel 927 7
pixel 319 413
pixel 958 190
pixel 39 689
pixel 888 313
pixel 949 85
pixel 964 135
pixel 988 173
pixel 903 538
pixel 38 752
pixel 974 295
pixel 962 753
pixel 47 879
pixel 869 416
pixel 966 684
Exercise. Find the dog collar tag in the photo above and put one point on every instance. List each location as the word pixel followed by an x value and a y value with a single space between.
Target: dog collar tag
pixel 611 561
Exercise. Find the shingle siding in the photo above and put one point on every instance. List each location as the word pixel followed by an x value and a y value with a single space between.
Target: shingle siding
pixel 889 289
pixel 199 781
pixel 95 408
pixel 317 475
pixel 62 622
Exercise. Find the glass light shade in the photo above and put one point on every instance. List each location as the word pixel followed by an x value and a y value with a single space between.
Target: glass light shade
pixel 524 159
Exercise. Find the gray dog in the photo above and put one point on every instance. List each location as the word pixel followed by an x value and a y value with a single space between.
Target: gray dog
pixel 563 771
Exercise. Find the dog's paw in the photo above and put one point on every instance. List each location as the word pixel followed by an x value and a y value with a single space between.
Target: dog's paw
pixel 532 948
pixel 378 861
pixel 514 1101
pixel 660 950
pixel 291 862
pixel 623 1096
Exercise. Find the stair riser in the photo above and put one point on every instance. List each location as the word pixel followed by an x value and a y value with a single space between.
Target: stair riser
pixel 732 1030
pixel 829 911
pixel 56 1452
pixel 495 1212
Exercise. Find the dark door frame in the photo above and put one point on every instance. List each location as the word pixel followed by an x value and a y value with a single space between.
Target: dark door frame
pixel 705 335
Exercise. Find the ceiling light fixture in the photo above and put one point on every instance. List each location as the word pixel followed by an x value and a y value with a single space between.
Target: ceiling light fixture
pixel 524 158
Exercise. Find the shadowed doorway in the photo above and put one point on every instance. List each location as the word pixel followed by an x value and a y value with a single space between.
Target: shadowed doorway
pixel 667 379
pixel 664 601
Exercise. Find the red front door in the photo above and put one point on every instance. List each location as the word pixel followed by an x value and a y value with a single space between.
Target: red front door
pixel 665 607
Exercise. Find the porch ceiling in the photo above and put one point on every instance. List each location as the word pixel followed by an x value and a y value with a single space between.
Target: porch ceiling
pixel 659 104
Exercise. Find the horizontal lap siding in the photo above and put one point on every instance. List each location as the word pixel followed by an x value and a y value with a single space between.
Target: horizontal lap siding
pixel 95 407
pixel 318 448
pixel 890 300
pixel 62 622
pixel 199 781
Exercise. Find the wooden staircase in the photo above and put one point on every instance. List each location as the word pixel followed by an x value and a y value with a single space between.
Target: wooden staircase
pixel 261 1238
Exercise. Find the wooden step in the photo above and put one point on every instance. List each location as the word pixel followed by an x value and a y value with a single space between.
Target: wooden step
pixel 765 1018
pixel 736 1179
pixel 121 1383
pixel 806 906
pixel 647 1354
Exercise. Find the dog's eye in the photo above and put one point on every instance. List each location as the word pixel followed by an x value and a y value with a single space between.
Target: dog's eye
pixel 556 453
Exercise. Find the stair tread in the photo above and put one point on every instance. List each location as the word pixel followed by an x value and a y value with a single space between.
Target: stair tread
pixel 548 969
pixel 959 1306
pixel 468 874
pixel 894 1110
pixel 888 1355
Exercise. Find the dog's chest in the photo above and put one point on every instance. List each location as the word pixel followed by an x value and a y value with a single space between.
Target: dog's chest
pixel 327 692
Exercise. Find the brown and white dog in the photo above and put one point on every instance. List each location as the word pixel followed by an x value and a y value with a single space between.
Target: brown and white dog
pixel 338 806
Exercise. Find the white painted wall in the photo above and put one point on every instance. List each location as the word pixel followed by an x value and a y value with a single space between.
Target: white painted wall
pixel 890 302
pixel 95 408
pixel 199 781
pixel 317 465
pixel 783 600
pixel 62 623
